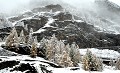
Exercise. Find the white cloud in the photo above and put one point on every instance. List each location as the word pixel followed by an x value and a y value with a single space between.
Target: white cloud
pixel 8 6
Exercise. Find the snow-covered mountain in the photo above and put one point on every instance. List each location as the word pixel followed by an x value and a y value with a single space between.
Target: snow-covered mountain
pixel 94 26
pixel 88 28
pixel 97 26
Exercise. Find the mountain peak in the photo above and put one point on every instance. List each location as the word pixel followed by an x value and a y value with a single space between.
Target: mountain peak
pixel 110 5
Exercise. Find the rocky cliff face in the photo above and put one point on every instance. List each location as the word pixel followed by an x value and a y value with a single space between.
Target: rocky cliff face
pixel 54 19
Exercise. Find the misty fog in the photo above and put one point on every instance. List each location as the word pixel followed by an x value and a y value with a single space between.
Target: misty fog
pixel 12 7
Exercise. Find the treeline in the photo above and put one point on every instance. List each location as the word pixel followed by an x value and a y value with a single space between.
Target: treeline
pixel 57 51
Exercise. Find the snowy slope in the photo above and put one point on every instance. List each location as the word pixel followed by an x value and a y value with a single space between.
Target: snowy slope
pixel 110 54
pixel 24 59
pixel 67 70
pixel 36 62
pixel 116 2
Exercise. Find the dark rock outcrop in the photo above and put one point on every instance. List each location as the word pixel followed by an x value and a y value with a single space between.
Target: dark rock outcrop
pixel 21 49
pixel 25 67
pixel 4 52
pixel 7 64
pixel 51 64
pixel 25 50
pixel 4 32
pixel 44 69
pixel 36 24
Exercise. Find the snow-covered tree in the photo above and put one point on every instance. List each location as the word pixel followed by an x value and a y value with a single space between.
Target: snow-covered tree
pixel 9 40
pixel 33 50
pixel 117 66
pixel 43 43
pixel 49 51
pixel 16 39
pixel 12 39
pixel 59 47
pixel 50 48
pixel 22 38
pixel 65 60
pixel 1 40
pixel 35 39
pixel 30 38
pixel 53 40
pixel 26 27
pixel 55 49
pixel 75 54
pixel 91 62
pixel 31 30
pixel 112 62
pixel 67 48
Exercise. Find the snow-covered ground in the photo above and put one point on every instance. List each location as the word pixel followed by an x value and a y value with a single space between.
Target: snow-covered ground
pixel 22 58
pixel 39 31
pixel 67 70
pixel 102 53
pixel 50 21
pixel 2 43
pixel 38 60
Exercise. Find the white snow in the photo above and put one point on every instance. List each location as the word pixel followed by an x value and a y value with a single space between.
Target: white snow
pixel 39 31
pixel 2 43
pixel 56 13
pixel 22 57
pixel 67 70
pixel 20 21
pixel 79 21
pixel 37 62
pixel 50 21
pixel 102 53
pixel 116 2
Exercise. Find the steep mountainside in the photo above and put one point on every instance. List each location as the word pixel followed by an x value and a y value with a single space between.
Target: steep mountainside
pixel 54 19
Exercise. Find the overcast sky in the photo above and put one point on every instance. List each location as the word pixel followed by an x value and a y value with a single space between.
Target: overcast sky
pixel 7 6
pixel 12 5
